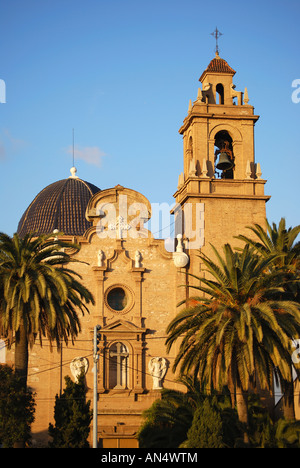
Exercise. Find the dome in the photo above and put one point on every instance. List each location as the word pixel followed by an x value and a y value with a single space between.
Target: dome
pixel 61 206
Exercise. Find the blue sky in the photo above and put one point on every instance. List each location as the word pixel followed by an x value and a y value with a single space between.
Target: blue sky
pixel 121 73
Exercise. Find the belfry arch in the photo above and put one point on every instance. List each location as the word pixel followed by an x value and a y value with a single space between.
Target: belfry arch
pixel 222 133
pixel 234 132
pixel 219 94
pixel 223 147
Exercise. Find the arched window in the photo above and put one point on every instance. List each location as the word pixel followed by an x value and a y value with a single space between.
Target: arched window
pixel 220 93
pixel 118 366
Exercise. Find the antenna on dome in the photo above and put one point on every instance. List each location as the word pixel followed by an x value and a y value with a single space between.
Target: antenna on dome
pixel 73 169
pixel 73 148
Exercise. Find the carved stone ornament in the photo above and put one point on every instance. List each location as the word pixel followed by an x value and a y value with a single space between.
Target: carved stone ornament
pixel 157 367
pixel 78 365
pixel 119 226
pixel 180 258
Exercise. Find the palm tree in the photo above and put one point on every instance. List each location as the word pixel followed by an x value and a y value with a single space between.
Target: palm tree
pixel 238 331
pixel 280 243
pixel 39 295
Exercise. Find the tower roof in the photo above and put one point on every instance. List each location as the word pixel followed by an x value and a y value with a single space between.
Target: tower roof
pixel 218 65
pixel 61 206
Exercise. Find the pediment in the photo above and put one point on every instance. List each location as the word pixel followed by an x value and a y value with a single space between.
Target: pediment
pixel 122 326
pixel 121 200
pixel 121 255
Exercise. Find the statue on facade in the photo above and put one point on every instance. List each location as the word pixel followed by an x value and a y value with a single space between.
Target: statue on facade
pixel 137 259
pixel 100 256
pixel 157 367
pixel 77 366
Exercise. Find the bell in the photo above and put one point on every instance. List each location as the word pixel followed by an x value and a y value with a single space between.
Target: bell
pixel 224 163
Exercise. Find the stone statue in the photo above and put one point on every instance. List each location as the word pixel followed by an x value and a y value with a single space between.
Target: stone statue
pixel 79 365
pixel 137 259
pixel 157 367
pixel 100 258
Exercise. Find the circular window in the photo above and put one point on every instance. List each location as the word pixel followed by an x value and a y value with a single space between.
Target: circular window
pixel 119 299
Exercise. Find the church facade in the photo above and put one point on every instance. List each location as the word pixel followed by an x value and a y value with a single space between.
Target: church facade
pixel 137 279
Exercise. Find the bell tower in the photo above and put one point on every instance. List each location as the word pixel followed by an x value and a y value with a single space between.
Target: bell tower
pixel 220 190
pixel 220 121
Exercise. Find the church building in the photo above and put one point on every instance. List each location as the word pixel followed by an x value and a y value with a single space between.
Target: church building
pixel 136 278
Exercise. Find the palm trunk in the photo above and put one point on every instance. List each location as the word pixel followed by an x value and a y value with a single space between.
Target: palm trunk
pixel 231 389
pixel 242 410
pixel 288 401
pixel 21 365
pixel 21 355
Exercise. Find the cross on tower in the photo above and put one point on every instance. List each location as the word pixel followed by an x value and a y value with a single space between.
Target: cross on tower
pixel 216 35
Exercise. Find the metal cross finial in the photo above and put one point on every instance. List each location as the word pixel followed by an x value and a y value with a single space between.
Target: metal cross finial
pixel 216 35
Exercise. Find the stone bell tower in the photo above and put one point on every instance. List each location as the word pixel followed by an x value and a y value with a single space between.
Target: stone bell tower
pixel 221 190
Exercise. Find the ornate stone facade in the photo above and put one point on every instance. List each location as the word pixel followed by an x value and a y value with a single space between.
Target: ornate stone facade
pixel 136 280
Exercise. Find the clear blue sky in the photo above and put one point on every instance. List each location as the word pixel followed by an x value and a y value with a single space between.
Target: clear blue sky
pixel 121 73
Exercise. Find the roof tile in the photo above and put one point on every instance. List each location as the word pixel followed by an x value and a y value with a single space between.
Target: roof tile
pixel 218 65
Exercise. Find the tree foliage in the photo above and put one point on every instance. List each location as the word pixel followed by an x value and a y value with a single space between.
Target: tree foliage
pixel 72 417
pixel 194 420
pixel 266 432
pixel 206 430
pixel 178 417
pixel 17 407
pixel 215 425
pixel 167 421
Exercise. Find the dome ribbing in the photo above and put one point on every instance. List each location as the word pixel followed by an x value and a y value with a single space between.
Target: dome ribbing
pixel 61 206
